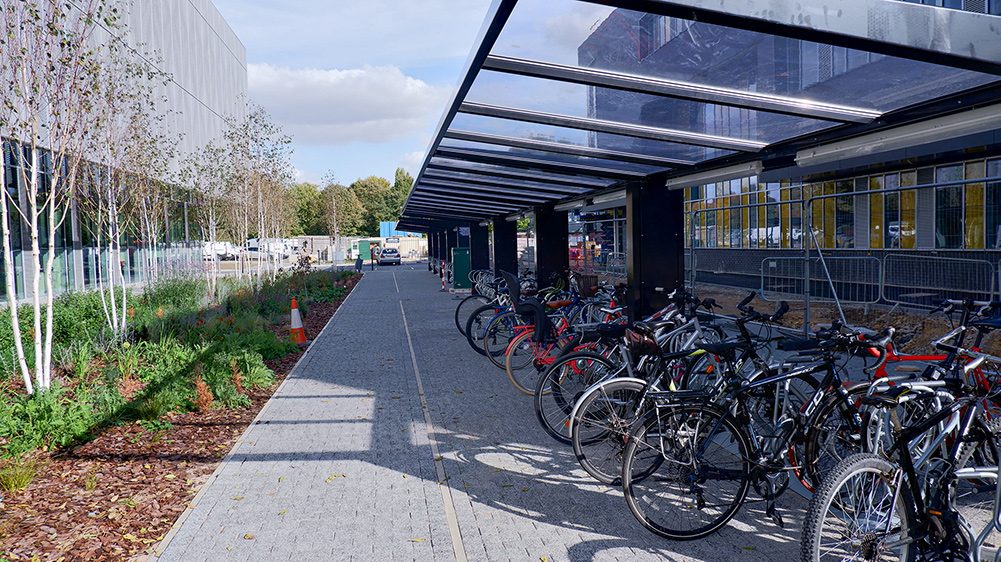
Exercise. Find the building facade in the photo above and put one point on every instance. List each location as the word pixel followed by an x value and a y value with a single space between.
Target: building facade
pixel 205 62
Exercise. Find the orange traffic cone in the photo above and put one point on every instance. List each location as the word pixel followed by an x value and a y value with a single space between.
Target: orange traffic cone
pixel 298 333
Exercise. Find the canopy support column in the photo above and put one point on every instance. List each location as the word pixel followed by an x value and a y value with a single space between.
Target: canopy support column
pixel 552 249
pixel 505 246
pixel 479 247
pixel 655 245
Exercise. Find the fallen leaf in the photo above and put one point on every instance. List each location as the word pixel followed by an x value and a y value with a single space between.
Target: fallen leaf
pixel 238 498
pixel 332 476
pixel 749 548
pixel 416 540
pixel 524 489
pixel 497 470
pixel 169 476
pixel 396 397
pixel 506 485
pixel 438 458
pixel 283 512
pixel 248 536
pixel 281 478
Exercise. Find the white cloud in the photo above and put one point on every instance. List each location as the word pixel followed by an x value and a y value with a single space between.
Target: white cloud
pixel 412 161
pixel 337 107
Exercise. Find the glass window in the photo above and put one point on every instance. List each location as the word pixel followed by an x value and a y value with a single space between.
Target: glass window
pixel 844 216
pixel 992 206
pixel 949 208
pixel 973 217
pixel 891 212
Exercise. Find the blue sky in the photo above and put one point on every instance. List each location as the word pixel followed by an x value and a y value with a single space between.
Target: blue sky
pixel 360 85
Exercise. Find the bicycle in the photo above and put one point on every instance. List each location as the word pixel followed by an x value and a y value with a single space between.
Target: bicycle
pixel 690 461
pixel 601 419
pixel 567 380
pixel 908 508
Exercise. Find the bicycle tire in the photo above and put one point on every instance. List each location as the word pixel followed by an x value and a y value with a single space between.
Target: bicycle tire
pixel 666 478
pixel 523 360
pixel 831 436
pixel 600 427
pixel 466 307
pixel 497 337
pixel 769 407
pixel 562 384
pixel 853 511
pixel 477 323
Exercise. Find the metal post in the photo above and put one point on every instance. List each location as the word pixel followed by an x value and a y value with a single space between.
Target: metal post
pixel 807 215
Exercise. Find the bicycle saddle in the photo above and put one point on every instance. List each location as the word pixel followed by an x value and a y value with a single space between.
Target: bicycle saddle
pixel 612 330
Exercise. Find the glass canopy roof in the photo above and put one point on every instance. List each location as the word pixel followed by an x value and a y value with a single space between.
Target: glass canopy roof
pixel 563 99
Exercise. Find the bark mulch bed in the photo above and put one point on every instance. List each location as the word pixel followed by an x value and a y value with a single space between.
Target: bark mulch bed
pixel 115 497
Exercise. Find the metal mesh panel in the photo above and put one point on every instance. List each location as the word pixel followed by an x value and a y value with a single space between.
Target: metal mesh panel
pixel 855 279
pixel 924 280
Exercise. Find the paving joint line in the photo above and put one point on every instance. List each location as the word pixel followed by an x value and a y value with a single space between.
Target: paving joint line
pixel 446 492
pixel 176 527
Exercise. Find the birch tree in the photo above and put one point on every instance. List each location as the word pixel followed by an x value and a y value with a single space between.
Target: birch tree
pixel 49 71
pixel 204 173
pixel 259 156
pixel 121 152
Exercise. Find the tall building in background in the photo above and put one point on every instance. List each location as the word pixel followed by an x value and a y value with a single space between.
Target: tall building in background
pixel 191 43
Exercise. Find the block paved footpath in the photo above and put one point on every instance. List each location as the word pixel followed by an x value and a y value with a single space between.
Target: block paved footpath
pixel 392 440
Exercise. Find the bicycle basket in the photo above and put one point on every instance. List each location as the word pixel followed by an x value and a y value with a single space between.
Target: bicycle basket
pixel 587 284
pixel 641 344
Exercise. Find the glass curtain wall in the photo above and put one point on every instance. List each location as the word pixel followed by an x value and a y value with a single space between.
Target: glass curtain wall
pixel 862 213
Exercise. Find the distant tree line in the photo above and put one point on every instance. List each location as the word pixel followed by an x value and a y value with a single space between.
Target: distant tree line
pixel 333 209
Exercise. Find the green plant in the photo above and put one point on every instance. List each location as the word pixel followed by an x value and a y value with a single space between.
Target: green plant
pixel 151 408
pixel 18 473
pixel 263 342
pixel 55 417
pixel 90 479
pixel 153 426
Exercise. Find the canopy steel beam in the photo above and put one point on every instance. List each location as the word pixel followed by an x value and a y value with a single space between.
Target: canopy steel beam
pixel 460 204
pixel 562 148
pixel 481 193
pixel 465 203
pixel 438 205
pixel 537 163
pixel 678 89
pixel 576 181
pixel 434 176
pixel 914 31
pixel 431 213
pixel 612 127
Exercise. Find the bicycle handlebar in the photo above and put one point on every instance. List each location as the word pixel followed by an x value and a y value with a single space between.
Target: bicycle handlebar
pixel 879 344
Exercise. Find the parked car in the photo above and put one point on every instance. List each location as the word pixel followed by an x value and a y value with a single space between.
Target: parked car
pixel 389 256
pixel 219 250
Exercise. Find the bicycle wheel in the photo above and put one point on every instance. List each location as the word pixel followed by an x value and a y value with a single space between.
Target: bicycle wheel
pixel 477 323
pixel 497 337
pixel 833 435
pixel 771 409
pixel 562 385
pixel 686 470
pixel 526 359
pixel 600 426
pixel 853 514
pixel 465 308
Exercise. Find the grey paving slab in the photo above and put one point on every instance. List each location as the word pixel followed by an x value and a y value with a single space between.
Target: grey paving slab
pixel 341 464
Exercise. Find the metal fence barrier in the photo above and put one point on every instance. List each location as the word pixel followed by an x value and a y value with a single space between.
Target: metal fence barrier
pixel 924 280
pixel 854 279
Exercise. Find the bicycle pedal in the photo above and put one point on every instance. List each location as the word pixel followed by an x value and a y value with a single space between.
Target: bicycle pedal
pixel 777 519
